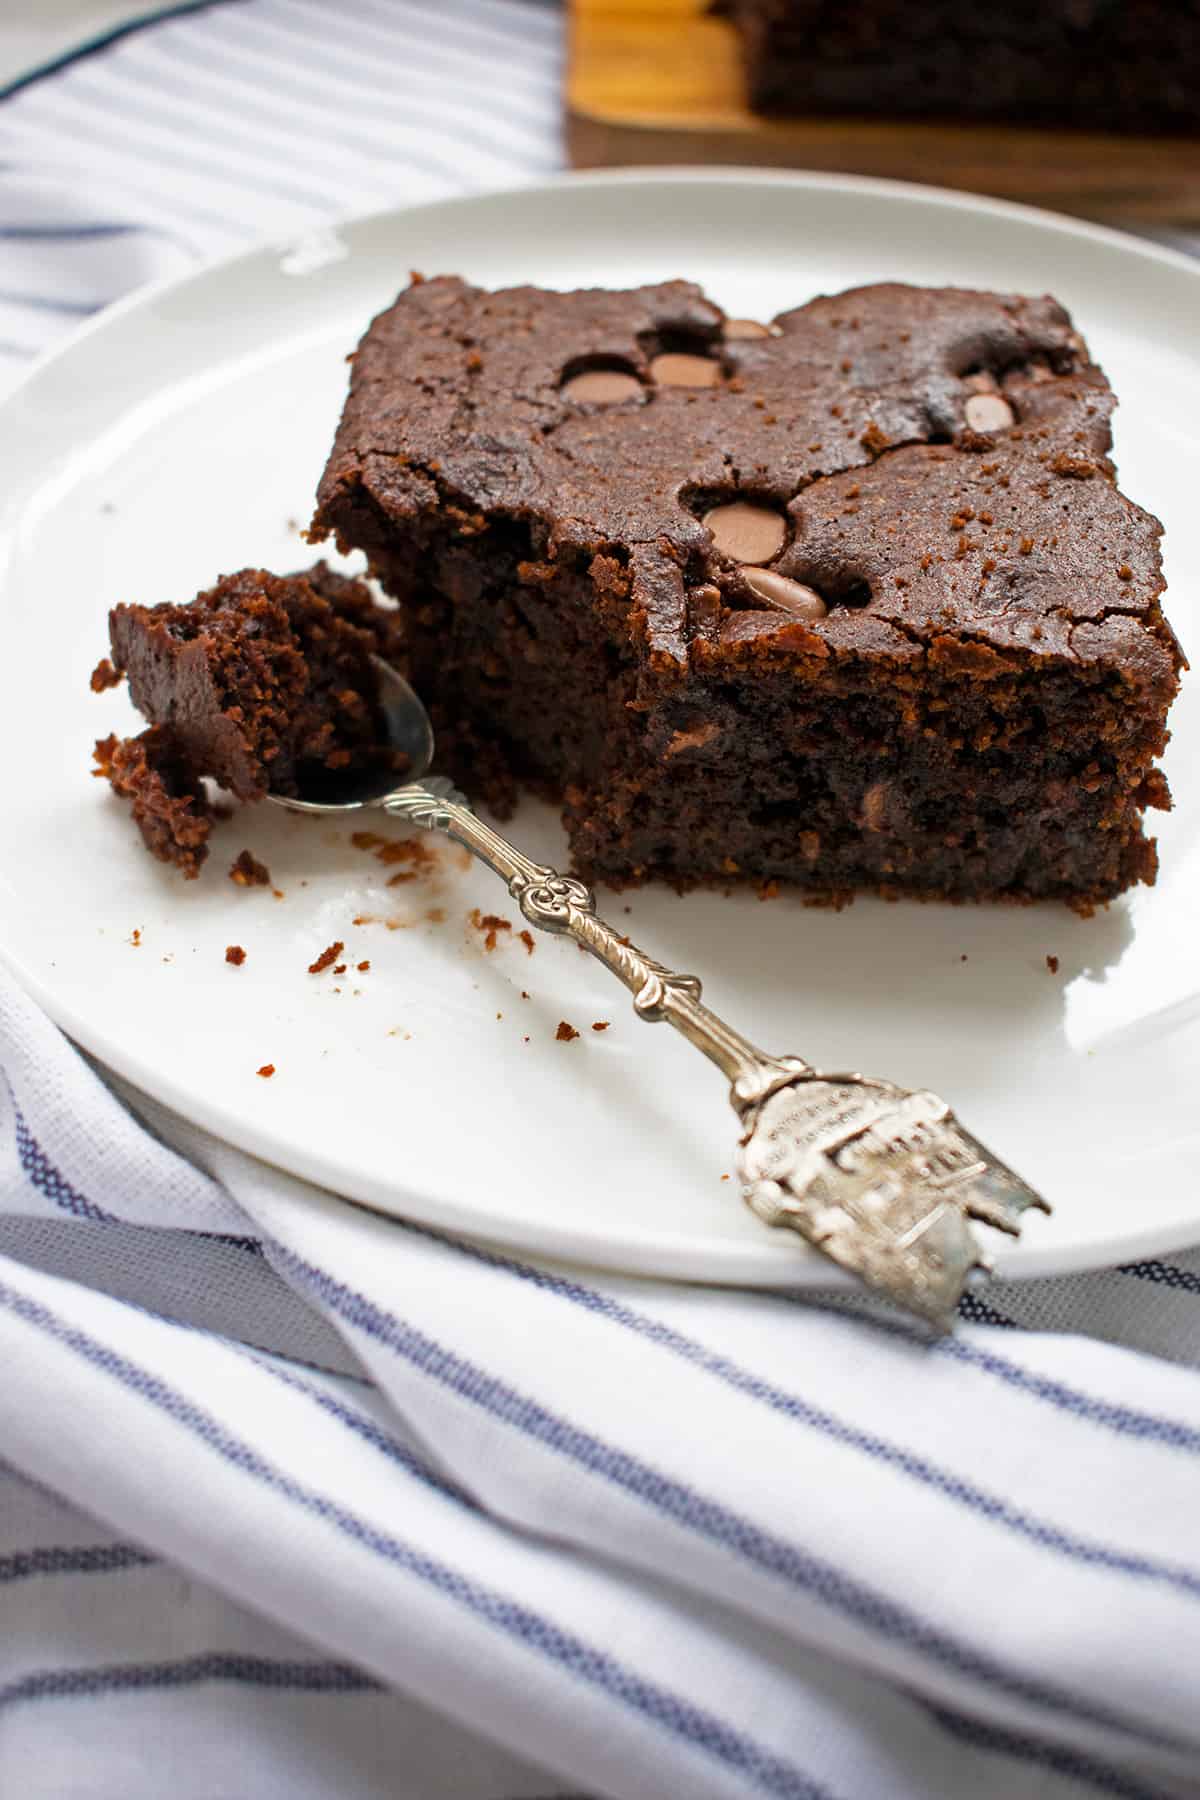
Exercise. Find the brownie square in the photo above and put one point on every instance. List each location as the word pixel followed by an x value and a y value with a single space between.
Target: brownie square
pixel 848 601
pixel 1104 65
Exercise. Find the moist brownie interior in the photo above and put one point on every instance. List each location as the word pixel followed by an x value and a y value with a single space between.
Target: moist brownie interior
pixel 256 683
pixel 850 600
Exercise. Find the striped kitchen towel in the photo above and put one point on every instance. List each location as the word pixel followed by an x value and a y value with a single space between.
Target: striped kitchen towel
pixel 296 1501
pixel 211 128
pixel 274 1461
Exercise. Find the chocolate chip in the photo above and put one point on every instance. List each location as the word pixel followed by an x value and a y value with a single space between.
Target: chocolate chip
pixel 602 387
pixel 988 412
pixel 676 368
pixel 786 595
pixel 745 328
pixel 875 806
pixel 746 533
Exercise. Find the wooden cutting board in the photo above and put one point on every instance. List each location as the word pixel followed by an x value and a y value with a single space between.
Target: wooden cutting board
pixel 660 81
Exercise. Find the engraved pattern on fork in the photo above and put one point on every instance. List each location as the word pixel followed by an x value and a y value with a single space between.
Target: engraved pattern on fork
pixel 883 1180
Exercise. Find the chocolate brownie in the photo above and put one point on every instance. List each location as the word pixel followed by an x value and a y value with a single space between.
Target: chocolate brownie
pixel 850 600
pixel 1100 64
pixel 257 683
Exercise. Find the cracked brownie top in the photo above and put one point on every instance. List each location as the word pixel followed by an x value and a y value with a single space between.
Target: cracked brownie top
pixel 893 470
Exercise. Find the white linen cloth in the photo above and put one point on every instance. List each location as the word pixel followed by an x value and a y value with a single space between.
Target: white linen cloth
pixel 296 1501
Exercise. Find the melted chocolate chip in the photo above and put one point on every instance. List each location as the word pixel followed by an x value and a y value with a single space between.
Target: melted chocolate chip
pixel 602 387
pixel 746 533
pixel 677 368
pixel 988 412
pixel 746 328
pixel 786 595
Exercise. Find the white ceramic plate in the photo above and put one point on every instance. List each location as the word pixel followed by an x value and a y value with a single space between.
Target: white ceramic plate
pixel 182 435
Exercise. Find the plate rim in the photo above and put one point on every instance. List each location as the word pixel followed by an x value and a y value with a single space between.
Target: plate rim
pixel 639 175
pixel 745 1264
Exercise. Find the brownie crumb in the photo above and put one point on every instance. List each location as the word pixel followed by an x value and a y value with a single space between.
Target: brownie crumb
pixel 169 806
pixel 328 956
pixel 526 938
pixel 339 968
pixel 104 675
pixel 247 871
pixel 267 1070
pixel 489 925
pixel 1052 964
pixel 601 1025
pixel 411 857
pixel 235 954
pixel 565 1032
pixel 135 938
pixel 362 967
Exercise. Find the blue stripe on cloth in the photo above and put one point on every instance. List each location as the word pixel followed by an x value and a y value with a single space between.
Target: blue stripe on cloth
pixel 454 41
pixel 118 125
pixel 84 1559
pixel 368 75
pixel 415 153
pixel 49 1180
pixel 103 42
pixel 1110 1415
pixel 1076 1765
pixel 365 1428
pixel 1007 1743
pixel 946 1482
pixel 1168 1275
pixel 977 1312
pixel 68 234
pixel 1113 1415
pixel 276 1673
pixel 42 1174
pixel 78 309
pixel 869 1608
pixel 250 1246
pixel 696 1726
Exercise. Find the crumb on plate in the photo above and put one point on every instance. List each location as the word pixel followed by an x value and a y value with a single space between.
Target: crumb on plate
pixel 328 956
pixel 247 871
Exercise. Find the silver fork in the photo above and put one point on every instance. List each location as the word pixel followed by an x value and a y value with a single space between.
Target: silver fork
pixel 881 1179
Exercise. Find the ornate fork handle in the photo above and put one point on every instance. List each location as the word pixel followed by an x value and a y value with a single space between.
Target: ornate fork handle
pixel 883 1180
